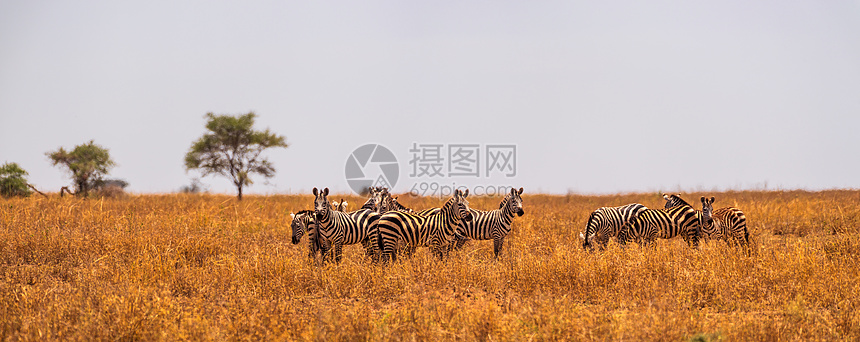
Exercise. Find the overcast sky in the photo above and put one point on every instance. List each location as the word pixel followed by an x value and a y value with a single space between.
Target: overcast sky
pixel 598 96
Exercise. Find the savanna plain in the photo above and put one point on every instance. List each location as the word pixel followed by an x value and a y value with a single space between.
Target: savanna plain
pixel 209 267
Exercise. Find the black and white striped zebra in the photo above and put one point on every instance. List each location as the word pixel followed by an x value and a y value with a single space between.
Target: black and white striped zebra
pixel 390 203
pixel 728 224
pixel 436 231
pixel 606 222
pixel 345 228
pixel 494 224
pixel 375 200
pixel 303 222
pixel 651 224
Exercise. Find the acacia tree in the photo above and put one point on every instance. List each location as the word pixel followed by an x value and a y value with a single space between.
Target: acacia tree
pixel 87 163
pixel 232 148
pixel 13 181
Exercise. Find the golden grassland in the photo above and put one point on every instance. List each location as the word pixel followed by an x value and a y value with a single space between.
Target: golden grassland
pixel 206 267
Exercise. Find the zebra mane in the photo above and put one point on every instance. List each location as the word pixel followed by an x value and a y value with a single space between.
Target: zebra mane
pixel 505 200
pixel 675 200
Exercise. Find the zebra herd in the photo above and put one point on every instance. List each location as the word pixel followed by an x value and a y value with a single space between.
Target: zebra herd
pixel 636 223
pixel 386 228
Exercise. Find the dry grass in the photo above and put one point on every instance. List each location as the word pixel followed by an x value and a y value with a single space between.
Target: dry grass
pixel 179 267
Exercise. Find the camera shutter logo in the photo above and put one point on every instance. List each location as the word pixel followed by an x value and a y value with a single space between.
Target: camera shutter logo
pixel 371 165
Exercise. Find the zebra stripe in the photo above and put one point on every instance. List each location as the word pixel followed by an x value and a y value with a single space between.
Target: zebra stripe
pixel 492 225
pixel 606 222
pixel 303 222
pixel 728 224
pixel 436 230
pixel 663 223
pixel 345 228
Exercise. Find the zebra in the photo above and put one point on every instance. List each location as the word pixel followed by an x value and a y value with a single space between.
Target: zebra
pixel 492 225
pixel 436 230
pixel 663 223
pixel 302 222
pixel 728 224
pixel 345 228
pixel 390 203
pixel 606 222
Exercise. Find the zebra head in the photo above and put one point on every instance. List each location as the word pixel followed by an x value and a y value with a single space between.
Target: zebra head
pixel 462 205
pixel 707 211
pixel 321 204
pixel 381 198
pixel 515 201
pixel 299 225
pixel 674 200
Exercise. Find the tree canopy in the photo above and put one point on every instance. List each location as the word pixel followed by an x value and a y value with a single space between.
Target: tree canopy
pixel 87 163
pixel 13 181
pixel 232 148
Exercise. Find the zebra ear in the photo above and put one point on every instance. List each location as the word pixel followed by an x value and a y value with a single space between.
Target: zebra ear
pixel 712 199
pixel 292 215
pixel 513 191
pixel 325 192
pixel 316 192
pixel 466 193
pixel 703 199
pixel 665 197
pixel 520 192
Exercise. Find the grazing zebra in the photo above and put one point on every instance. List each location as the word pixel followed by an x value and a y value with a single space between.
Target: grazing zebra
pixel 663 223
pixel 606 222
pixel 436 230
pixel 345 228
pixel 302 222
pixel 728 224
pixel 493 224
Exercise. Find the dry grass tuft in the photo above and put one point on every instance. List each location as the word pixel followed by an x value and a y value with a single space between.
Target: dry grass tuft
pixel 205 267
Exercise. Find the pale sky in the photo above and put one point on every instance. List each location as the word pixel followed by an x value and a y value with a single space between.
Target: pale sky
pixel 598 96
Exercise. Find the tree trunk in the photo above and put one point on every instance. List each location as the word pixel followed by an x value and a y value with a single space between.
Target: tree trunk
pixel 39 192
pixel 239 187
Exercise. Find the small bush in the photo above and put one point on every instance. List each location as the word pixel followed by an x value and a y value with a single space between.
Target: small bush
pixel 13 182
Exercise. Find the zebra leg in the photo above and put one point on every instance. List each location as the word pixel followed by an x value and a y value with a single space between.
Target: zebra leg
pixel 325 247
pixel 498 242
pixel 388 249
pixel 458 244
pixel 338 251
pixel 602 240
pixel 369 248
